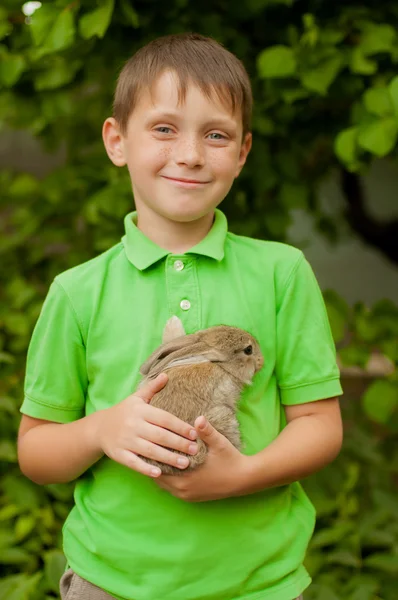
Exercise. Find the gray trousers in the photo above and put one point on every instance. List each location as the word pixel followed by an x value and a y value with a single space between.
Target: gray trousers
pixel 74 587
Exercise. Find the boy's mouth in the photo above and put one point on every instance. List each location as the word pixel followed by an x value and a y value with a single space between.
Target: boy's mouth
pixel 185 182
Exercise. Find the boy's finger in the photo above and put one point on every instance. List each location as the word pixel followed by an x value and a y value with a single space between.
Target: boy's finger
pixel 164 419
pixel 168 439
pixel 161 455
pixel 132 461
pixel 152 387
pixel 208 433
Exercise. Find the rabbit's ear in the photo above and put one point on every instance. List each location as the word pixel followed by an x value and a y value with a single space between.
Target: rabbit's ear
pixel 164 351
pixel 173 329
pixel 182 351
pixel 194 358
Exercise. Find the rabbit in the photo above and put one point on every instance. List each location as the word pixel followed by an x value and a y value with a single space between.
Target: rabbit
pixel 207 371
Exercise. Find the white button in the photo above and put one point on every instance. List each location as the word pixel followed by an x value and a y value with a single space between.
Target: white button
pixel 185 304
pixel 178 265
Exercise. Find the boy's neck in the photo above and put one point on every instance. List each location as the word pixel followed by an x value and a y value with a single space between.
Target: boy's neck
pixel 171 235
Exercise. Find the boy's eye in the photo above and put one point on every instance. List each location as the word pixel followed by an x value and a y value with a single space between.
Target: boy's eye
pixel 163 129
pixel 218 136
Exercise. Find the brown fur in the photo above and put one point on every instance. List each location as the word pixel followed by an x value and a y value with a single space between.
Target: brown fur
pixel 210 388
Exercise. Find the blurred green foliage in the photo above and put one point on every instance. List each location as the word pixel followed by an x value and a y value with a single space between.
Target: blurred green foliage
pixel 326 98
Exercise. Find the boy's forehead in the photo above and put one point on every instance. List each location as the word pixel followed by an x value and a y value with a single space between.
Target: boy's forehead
pixel 167 91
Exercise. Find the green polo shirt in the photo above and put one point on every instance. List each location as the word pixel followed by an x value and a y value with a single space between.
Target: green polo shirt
pixel 99 323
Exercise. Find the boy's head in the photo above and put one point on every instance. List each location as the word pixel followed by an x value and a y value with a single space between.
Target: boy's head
pixel 181 123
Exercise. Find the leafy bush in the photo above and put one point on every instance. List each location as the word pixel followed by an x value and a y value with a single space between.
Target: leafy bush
pixel 326 91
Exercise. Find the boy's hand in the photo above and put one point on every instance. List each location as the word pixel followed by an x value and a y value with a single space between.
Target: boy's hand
pixel 134 427
pixel 221 476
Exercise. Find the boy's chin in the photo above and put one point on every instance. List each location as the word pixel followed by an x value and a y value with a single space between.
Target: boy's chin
pixel 188 215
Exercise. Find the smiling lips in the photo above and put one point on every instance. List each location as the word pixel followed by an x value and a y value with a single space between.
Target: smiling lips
pixel 186 183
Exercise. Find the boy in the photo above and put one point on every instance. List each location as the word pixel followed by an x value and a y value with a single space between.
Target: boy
pixel 238 527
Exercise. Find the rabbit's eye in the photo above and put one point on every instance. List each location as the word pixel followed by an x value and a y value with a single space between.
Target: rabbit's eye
pixel 248 350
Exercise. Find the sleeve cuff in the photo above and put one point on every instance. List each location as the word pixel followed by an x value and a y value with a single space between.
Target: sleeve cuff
pixel 311 392
pixel 39 410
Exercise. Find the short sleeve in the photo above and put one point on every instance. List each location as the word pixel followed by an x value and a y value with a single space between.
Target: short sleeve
pixel 56 376
pixel 306 367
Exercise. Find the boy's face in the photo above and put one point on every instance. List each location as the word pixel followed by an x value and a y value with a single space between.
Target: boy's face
pixel 182 158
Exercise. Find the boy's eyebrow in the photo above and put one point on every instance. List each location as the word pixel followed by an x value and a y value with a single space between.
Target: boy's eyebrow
pixel 224 121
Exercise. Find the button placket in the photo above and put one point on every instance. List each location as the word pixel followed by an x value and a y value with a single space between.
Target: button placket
pixel 182 290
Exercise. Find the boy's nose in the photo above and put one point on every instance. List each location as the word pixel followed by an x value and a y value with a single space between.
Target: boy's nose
pixel 190 153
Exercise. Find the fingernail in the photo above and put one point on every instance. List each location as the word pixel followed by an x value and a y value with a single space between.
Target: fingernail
pixel 193 448
pixel 182 462
pixel 193 434
pixel 156 472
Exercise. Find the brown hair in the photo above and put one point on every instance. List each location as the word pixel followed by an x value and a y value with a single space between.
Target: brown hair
pixel 194 58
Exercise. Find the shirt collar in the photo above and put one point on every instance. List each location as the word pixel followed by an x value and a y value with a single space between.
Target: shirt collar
pixel 143 253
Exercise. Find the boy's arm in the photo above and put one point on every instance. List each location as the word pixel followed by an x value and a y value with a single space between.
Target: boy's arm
pixel 311 439
pixel 51 452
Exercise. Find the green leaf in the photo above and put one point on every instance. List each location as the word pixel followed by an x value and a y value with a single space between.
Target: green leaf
pixel 378 101
pixel 345 145
pixel 324 592
pixel 377 38
pixel 8 584
pixel 24 526
pixel 387 563
pixel 345 558
pixel 367 328
pixel 23 185
pixel 11 68
pixel 378 137
pixel 54 567
pixel 291 95
pixel 331 535
pixel 8 405
pixel 62 33
pixel 364 590
pixel 18 323
pixel 390 349
pixel 277 61
pixel 354 355
pixel 96 23
pixel 321 77
pixel 7 538
pixel 22 492
pixel 380 400
pixel 8 451
pixel 14 556
pixel 331 36
pixel 394 93
pixel 379 538
pixel 9 512
pixel 337 324
pixel 360 64
pixel 25 588
pixel 129 12
pixel 5 24
pixel 42 21
pixel 58 74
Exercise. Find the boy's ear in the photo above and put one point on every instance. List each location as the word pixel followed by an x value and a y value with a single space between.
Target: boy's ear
pixel 113 142
pixel 244 151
